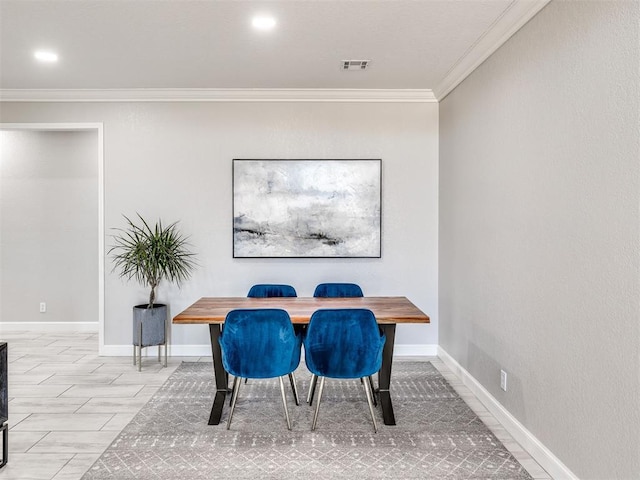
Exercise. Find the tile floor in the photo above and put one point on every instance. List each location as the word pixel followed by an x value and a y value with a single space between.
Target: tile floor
pixel 67 404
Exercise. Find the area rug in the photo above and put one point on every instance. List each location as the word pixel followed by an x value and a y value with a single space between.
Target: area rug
pixel 437 436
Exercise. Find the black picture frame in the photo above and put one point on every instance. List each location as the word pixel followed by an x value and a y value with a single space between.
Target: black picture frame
pixel 307 208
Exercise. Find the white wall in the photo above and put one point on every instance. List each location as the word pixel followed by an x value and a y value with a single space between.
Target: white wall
pixel 48 226
pixel 173 160
pixel 540 228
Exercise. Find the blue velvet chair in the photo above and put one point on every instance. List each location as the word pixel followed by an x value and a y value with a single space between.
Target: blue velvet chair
pixel 344 343
pixel 338 290
pixel 260 343
pixel 266 290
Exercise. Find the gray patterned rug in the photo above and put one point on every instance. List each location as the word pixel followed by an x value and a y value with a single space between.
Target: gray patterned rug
pixel 437 436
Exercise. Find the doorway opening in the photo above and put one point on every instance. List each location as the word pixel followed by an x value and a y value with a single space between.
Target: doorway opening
pixel 52 227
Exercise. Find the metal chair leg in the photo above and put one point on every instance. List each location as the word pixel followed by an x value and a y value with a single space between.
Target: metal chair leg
pixel 312 389
pixel 367 389
pixel 234 398
pixel 234 382
pixel 284 403
pixel 292 380
pixel 315 415
pixel 134 354
pixel 373 391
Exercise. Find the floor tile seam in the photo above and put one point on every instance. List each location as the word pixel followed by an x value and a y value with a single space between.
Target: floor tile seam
pixel 64 391
pixel 42 382
pixel 97 367
pixel 43 432
pixel 78 433
pixel 104 385
pixel 14 360
pixel 113 382
pixel 12 426
pixel 83 404
pixel 45 337
pixel 79 384
pixel 49 432
pixel 104 429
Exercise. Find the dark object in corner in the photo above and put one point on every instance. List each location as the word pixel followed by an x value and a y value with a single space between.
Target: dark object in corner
pixel 4 403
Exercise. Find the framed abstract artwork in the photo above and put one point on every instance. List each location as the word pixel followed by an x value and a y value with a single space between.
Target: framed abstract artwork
pixel 307 208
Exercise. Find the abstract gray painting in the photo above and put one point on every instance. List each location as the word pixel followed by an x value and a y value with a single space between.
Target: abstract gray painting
pixel 306 208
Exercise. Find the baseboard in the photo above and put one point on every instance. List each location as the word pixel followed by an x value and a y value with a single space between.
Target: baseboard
pixel 49 327
pixel 205 350
pixel 524 437
pixel 417 350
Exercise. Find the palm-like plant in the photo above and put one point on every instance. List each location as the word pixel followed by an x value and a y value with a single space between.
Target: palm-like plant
pixel 152 254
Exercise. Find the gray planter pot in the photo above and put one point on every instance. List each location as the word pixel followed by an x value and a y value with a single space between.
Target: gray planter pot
pixel 149 329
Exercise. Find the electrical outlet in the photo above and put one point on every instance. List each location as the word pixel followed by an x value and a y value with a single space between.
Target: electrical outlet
pixel 43 307
pixel 503 380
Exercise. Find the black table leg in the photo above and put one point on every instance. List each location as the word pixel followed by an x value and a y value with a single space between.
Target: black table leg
pixel 222 379
pixel 384 375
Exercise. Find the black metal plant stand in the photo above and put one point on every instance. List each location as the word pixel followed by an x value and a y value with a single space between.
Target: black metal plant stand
pixel 5 444
pixel 4 404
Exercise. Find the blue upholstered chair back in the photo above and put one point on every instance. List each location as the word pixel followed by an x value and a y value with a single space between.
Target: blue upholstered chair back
pixel 338 290
pixel 259 343
pixel 271 290
pixel 343 343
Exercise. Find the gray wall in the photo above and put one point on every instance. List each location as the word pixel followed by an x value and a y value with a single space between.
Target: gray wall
pixel 48 226
pixel 539 231
pixel 173 160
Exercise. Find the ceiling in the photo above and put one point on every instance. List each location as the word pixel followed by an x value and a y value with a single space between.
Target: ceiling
pixel 426 45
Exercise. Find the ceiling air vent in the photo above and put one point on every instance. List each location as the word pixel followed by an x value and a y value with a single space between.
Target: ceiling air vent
pixel 355 64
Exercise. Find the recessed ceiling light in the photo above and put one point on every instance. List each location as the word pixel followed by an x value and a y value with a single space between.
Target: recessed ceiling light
pixel 46 56
pixel 263 22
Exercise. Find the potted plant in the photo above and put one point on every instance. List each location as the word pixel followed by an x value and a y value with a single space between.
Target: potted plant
pixel 150 255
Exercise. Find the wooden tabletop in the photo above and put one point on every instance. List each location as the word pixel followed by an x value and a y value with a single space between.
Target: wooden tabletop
pixel 300 309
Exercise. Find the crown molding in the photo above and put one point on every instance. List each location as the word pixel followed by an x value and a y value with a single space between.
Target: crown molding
pixel 219 95
pixel 512 19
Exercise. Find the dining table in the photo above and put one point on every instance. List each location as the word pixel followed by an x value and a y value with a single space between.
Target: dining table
pixel 389 311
